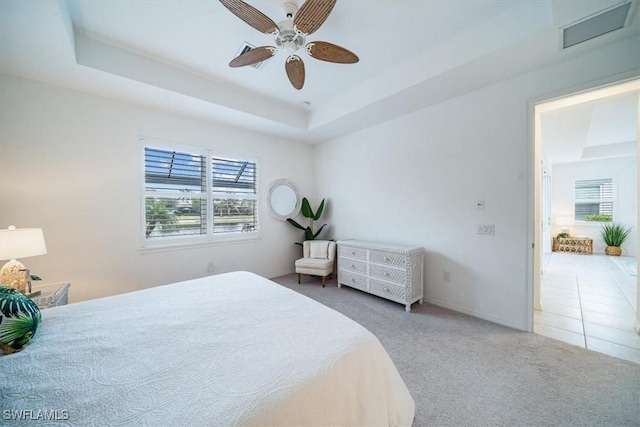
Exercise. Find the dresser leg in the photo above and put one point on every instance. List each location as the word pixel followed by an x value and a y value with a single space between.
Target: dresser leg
pixel 408 308
pixel 420 301
pixel 299 278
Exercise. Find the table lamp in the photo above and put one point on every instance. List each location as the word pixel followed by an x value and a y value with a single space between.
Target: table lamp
pixel 19 243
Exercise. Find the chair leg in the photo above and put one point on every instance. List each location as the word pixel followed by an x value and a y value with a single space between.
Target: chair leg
pixel 299 278
pixel 324 280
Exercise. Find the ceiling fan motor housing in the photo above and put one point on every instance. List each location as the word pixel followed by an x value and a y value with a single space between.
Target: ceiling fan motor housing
pixel 287 38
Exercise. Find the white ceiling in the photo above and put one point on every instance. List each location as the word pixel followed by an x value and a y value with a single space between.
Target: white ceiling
pixel 606 126
pixel 174 55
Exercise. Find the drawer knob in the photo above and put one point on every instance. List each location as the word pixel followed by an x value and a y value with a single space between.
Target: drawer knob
pixel 353 280
pixel 387 259
pixel 386 274
pixel 353 252
pixel 353 266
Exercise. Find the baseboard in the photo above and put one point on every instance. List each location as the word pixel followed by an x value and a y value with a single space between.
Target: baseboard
pixel 283 273
pixel 477 314
pixel 637 327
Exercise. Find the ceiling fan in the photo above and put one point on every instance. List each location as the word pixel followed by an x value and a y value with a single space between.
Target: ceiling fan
pixel 290 35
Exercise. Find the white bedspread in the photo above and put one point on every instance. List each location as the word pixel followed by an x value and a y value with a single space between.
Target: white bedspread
pixel 231 349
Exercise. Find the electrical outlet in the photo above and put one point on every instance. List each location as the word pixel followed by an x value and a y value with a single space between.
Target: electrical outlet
pixel 447 276
pixel 486 229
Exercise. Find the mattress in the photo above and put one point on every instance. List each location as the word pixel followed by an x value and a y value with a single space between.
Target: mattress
pixel 230 349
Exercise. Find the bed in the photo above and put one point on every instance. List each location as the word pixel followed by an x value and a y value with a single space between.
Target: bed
pixel 230 349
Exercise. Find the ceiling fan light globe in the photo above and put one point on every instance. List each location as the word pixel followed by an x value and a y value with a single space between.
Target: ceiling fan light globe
pixel 290 46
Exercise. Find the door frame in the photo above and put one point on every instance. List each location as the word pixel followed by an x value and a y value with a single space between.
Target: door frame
pixel 618 83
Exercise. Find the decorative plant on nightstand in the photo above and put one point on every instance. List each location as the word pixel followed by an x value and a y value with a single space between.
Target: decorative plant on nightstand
pixel 307 212
pixel 614 236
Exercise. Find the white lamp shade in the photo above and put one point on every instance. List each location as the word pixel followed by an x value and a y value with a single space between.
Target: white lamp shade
pixel 21 243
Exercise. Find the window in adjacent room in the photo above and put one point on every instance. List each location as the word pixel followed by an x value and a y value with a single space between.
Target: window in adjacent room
pixel 195 196
pixel 594 200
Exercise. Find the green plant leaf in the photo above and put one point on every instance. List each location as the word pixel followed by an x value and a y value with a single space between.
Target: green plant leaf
pixel 318 232
pixel 614 234
pixel 295 224
pixel 35 277
pixel 319 212
pixel 306 210
pixel 308 234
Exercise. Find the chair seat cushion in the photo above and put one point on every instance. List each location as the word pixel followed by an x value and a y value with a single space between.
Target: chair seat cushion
pixel 316 263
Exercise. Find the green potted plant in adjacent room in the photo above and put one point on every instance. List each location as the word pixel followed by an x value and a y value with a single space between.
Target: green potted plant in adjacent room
pixel 614 236
pixel 307 212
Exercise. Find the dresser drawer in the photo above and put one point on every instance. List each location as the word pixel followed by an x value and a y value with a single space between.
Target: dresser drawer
pixel 352 252
pixel 387 290
pixel 387 258
pixel 353 280
pixel 353 266
pixel 387 273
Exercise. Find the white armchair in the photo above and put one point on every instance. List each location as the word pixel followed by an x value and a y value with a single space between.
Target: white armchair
pixel 318 258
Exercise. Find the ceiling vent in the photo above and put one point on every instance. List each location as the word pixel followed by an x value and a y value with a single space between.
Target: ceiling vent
pixel 245 48
pixel 596 25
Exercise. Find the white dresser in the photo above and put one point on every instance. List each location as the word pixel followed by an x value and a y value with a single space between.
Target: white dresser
pixel 391 271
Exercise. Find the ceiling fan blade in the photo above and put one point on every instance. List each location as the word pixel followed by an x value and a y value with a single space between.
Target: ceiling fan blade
pixel 251 16
pixel 312 15
pixel 252 56
pixel 330 52
pixel 295 71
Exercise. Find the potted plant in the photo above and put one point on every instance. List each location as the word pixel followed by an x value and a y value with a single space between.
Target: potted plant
pixel 307 212
pixel 614 236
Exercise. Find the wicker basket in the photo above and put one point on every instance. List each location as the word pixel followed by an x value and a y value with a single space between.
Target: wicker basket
pixel 613 250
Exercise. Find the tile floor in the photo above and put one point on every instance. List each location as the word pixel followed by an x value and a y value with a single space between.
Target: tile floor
pixel 589 301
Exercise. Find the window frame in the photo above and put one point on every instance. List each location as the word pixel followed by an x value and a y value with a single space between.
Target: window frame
pixel 207 197
pixel 600 200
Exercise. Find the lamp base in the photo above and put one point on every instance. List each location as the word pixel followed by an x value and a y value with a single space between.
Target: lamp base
pixel 14 275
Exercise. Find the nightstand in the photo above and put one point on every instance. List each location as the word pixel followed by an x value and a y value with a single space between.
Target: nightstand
pixel 51 295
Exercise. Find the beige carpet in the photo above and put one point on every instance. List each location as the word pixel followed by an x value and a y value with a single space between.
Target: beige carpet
pixel 462 371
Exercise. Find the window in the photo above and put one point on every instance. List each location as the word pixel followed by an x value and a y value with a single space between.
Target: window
pixel 594 200
pixel 192 196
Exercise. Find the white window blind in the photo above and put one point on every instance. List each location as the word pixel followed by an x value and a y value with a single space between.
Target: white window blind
pixel 182 189
pixel 594 199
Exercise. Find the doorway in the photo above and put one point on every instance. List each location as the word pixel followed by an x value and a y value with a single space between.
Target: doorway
pixel 574 288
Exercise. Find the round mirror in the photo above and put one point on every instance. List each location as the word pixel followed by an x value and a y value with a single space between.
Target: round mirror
pixel 283 199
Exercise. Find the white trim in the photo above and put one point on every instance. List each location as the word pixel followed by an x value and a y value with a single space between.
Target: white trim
pixel 474 313
pixel 554 100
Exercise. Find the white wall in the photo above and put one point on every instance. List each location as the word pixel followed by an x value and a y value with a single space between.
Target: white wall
pixel 416 180
pixel 623 171
pixel 71 164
